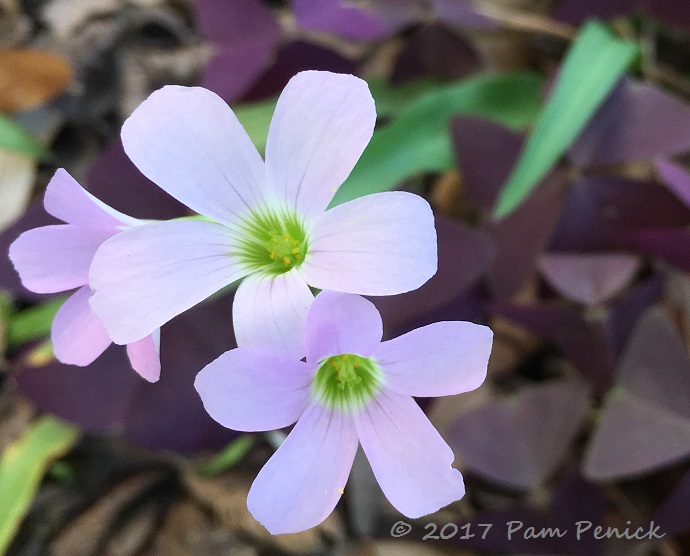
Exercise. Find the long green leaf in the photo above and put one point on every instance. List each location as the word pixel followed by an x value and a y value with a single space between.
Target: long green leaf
pixel 593 66
pixel 22 467
pixel 419 140
pixel 13 137
pixel 33 323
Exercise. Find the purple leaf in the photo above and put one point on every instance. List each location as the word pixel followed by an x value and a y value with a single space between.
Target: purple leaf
pixel 463 14
pixel 372 20
pixel 437 51
pixel 108 397
pixel 577 11
pixel 676 178
pixel 637 122
pixel 582 342
pixel 673 516
pixel 590 279
pixel 244 34
pixel 598 211
pixel 290 60
pixel 645 421
pixel 115 180
pixel 522 235
pixel 624 313
pixel 485 152
pixel 463 256
pixel 519 441
pixel 672 244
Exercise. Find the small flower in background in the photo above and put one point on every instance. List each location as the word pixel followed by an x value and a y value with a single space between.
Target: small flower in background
pixel 56 258
pixel 271 226
pixel 352 387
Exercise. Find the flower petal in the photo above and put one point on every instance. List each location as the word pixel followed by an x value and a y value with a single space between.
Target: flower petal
pixel 381 244
pixel 189 142
pixel 252 389
pixel 322 123
pixel 342 323
pixel 270 311
pixel 144 356
pixel 440 359
pixel 55 258
pixel 411 461
pixel 78 336
pixel 70 202
pixel 303 481
pixel 147 275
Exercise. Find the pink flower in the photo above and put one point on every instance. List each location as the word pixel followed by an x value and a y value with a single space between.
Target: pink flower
pixel 352 388
pixel 270 224
pixel 57 258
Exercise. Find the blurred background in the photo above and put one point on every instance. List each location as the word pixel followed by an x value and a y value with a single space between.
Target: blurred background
pixel 551 138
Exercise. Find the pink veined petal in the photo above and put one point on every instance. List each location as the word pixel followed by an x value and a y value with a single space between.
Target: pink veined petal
pixel 147 275
pixel 303 481
pixel 189 142
pixel 342 323
pixel 144 356
pixel 78 336
pixel 410 460
pixel 440 359
pixel 381 244
pixel 270 311
pixel 56 258
pixel 253 389
pixel 321 125
pixel 70 202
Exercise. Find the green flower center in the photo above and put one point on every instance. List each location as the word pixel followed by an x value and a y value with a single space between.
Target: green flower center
pixel 346 382
pixel 274 241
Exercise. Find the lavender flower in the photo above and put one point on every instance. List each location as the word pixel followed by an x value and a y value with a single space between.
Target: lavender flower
pixel 57 258
pixel 352 387
pixel 270 224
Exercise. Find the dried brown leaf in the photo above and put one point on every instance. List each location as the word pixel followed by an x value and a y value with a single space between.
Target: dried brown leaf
pixel 28 78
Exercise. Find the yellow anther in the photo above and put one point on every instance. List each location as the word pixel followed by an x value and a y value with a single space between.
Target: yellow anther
pixel 300 257
pixel 294 251
pixel 287 261
pixel 287 237
pixel 274 256
pixel 295 242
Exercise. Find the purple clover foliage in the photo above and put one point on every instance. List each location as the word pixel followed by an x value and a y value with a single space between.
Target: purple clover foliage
pixel 352 388
pixel 56 258
pixel 266 222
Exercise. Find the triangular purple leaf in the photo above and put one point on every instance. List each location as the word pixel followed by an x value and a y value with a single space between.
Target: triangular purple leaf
pixel 645 421
pixel 637 122
pixel 589 278
pixel 520 441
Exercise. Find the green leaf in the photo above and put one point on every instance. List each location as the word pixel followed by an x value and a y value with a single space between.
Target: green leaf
pixel 392 100
pixel 228 457
pixel 13 137
pixel 419 140
pixel 256 117
pixel 22 467
pixel 592 67
pixel 33 323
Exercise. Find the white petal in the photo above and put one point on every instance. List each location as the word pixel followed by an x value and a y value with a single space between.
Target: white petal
pixel 270 312
pixel 322 123
pixel 382 244
pixel 301 484
pixel 189 142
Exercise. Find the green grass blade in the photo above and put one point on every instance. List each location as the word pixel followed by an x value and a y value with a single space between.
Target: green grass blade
pixel 23 465
pixel 13 137
pixel 419 139
pixel 592 67
pixel 33 323
pixel 227 457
